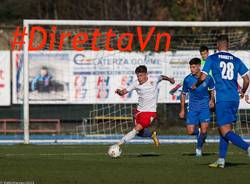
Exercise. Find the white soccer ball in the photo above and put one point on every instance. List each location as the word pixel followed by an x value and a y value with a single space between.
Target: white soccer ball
pixel 114 151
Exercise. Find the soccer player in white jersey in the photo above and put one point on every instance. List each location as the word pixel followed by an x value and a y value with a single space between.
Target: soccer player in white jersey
pixel 147 90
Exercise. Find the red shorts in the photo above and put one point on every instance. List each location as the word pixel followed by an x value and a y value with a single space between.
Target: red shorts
pixel 144 118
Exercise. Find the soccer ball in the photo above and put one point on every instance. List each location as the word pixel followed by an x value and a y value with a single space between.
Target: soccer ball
pixel 114 151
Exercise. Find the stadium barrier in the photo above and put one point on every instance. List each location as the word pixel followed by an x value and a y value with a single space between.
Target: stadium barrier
pixel 56 130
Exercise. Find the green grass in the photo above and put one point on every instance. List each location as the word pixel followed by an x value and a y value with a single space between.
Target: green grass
pixel 170 164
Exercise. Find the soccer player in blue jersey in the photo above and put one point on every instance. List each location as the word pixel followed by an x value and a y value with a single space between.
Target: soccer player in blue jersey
pixel 225 69
pixel 200 102
pixel 204 52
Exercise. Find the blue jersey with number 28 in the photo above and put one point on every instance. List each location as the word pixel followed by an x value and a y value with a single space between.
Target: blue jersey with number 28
pixel 225 68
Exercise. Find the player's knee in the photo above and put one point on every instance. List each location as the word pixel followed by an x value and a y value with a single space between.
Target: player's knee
pixel 223 132
pixel 225 129
pixel 204 128
pixel 138 127
pixel 190 131
pixel 204 131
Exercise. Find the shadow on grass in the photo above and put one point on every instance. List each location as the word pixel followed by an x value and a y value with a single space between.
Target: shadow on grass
pixel 230 164
pixel 203 154
pixel 142 155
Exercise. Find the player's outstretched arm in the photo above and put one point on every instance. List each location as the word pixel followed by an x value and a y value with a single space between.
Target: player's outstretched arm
pixel 121 92
pixel 245 85
pixel 182 112
pixel 212 99
pixel 171 80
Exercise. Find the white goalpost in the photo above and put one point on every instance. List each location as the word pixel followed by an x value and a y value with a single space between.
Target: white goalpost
pixel 110 118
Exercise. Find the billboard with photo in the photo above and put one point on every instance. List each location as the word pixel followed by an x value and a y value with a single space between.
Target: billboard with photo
pixel 86 77
pixel 91 77
pixel 96 76
pixel 245 57
pixel 48 77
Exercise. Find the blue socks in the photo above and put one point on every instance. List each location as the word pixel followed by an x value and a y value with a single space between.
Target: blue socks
pixel 223 147
pixel 144 133
pixel 236 140
pixel 196 132
pixel 201 139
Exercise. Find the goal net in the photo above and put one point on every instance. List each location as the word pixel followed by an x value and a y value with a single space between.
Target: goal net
pixel 109 119
pixel 70 70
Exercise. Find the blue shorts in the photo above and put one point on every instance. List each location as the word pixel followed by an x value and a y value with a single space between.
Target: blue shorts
pixel 197 117
pixel 226 112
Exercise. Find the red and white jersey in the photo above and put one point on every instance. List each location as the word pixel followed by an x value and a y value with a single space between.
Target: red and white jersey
pixel 148 94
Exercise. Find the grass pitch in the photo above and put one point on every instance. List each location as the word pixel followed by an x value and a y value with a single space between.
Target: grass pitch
pixel 139 164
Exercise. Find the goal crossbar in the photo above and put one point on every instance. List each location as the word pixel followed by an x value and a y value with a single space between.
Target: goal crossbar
pixel 30 22
pixel 139 23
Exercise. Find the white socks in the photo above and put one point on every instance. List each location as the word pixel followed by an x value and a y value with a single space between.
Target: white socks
pixel 128 137
pixel 221 160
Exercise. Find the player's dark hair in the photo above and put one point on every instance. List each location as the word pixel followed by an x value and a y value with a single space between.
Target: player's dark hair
pixel 195 61
pixel 141 69
pixel 222 38
pixel 44 68
pixel 203 48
